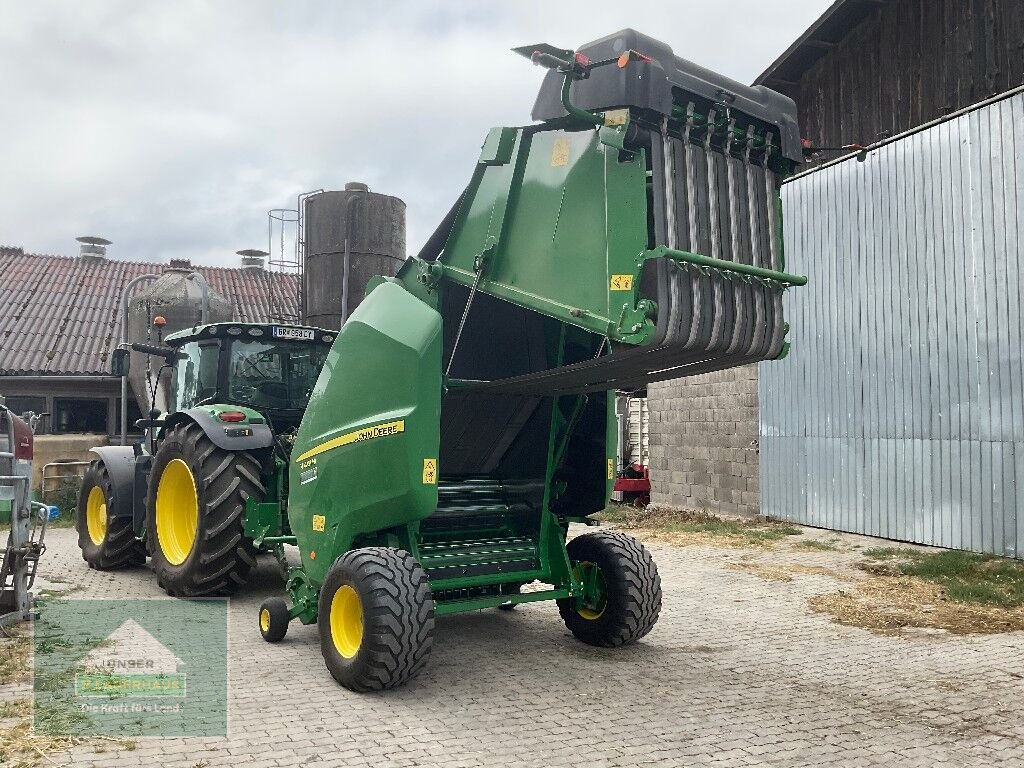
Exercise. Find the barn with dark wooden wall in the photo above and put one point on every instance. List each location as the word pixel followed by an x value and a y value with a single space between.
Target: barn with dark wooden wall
pixel 870 69
pixel 866 70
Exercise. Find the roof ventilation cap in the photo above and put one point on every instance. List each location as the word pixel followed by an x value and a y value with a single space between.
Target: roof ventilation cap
pixel 92 249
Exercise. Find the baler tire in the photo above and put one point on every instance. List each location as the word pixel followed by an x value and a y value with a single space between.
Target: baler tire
pixel 273 619
pixel 632 590
pixel 221 555
pixel 117 547
pixel 395 618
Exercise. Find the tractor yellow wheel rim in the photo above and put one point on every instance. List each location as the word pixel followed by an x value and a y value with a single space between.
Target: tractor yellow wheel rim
pixel 264 620
pixel 96 515
pixel 177 512
pixel 346 621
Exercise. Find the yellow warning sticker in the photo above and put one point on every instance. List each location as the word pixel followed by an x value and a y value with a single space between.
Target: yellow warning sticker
pixel 430 471
pixel 622 283
pixel 611 469
pixel 358 436
pixel 560 153
pixel 318 522
pixel 616 117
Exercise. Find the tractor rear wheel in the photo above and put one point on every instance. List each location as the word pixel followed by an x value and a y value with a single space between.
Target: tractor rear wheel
pixel 376 618
pixel 196 514
pixel 106 542
pixel 622 590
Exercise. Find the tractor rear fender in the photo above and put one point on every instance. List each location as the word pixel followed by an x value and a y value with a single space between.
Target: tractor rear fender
pixel 231 436
pixel 119 461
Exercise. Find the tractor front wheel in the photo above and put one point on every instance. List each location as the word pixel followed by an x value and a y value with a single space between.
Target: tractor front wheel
pixel 376 618
pixel 196 514
pixel 622 590
pixel 106 542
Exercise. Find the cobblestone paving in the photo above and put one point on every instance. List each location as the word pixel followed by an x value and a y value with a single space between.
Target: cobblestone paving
pixel 737 672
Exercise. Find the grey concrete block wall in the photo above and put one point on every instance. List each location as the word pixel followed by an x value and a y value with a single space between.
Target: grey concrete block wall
pixel 703 442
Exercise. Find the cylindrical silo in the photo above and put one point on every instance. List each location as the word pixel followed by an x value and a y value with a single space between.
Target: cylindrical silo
pixel 350 236
pixel 177 298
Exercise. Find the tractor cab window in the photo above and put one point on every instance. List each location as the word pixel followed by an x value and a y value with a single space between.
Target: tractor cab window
pixel 274 375
pixel 195 377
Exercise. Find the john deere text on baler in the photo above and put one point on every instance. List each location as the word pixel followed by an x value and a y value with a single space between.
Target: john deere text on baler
pixel 463 418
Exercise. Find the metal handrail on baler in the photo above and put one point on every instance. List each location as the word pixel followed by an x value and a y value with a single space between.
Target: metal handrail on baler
pixel 726 266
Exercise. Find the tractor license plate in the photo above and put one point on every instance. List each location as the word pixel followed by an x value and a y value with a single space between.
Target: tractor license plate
pixel 297 334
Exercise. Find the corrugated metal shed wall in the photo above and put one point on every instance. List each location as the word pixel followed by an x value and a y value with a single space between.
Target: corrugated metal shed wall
pixel 900 410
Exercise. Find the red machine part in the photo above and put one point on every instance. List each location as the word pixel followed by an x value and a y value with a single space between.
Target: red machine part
pixel 23 447
pixel 635 479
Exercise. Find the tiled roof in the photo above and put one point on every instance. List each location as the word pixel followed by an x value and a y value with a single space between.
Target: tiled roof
pixel 62 316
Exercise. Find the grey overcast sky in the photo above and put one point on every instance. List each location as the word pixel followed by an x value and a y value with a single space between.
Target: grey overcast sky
pixel 171 127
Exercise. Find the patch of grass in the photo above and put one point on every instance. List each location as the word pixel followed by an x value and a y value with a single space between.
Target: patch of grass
pixel 771 532
pixel 955 591
pixel 886 553
pixel 613 514
pixel 766 572
pixel 31 741
pixel 16 708
pixel 965 577
pixel 15 653
pixel 818 570
pixel 785 571
pixel 23 747
pixel 58 719
pixel 696 527
pixel 891 604
pixel 46 593
pixel 817 546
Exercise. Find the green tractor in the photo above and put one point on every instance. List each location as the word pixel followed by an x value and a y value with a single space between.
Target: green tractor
pixel 189 495
pixel 463 418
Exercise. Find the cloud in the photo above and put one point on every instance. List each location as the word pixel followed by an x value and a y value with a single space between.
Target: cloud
pixel 171 128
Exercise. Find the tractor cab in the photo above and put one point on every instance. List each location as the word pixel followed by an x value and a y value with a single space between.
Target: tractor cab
pixel 270 368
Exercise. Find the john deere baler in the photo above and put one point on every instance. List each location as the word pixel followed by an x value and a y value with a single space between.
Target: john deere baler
pixel 464 415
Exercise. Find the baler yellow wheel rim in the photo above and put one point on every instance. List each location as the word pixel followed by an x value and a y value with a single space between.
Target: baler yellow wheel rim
pixel 346 621
pixel 264 620
pixel 96 515
pixel 590 574
pixel 177 512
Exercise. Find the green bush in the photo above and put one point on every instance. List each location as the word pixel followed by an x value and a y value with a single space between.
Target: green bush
pixel 64 496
